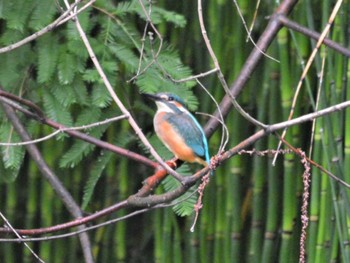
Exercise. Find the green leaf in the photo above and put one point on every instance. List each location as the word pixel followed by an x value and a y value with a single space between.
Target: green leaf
pixel 42 15
pixel 81 95
pixel 94 176
pixel 64 94
pixel 15 17
pixel 81 149
pixel 100 96
pixel 75 154
pixel 169 16
pixel 12 156
pixel 124 7
pixel 66 67
pixel 8 70
pixel 126 56
pixel 8 175
pixel 55 110
pixel 47 57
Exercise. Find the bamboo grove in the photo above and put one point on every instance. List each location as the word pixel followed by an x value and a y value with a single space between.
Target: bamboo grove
pixel 252 207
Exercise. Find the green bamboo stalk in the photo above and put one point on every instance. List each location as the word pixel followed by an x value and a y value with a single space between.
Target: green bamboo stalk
pixel 258 189
pixel 290 177
pixel 166 235
pixel 334 257
pixel 47 201
pixel 191 244
pixel 124 190
pixel 274 179
pixel 234 251
pixel 158 242
pixel 207 227
pixel 321 247
pixel 219 220
pixel 334 146
pixel 315 197
pixel 177 256
pixel 10 250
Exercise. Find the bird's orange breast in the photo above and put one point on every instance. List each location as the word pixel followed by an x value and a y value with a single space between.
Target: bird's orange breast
pixel 172 139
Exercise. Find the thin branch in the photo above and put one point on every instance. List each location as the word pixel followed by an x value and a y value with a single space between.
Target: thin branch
pixel 253 20
pixel 314 35
pixel 305 205
pixel 225 135
pixel 196 77
pixel 22 101
pixel 148 23
pixel 74 233
pixel 62 130
pixel 248 32
pixel 309 117
pixel 21 239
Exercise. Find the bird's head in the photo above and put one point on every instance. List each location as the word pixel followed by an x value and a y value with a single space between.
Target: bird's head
pixel 168 102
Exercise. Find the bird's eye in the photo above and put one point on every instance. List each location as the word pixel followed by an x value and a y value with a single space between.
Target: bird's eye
pixel 170 98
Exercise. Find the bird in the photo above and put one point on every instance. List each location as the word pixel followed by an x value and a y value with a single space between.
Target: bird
pixel 179 130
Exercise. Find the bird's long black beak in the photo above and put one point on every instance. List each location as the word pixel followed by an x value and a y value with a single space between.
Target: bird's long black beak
pixel 152 96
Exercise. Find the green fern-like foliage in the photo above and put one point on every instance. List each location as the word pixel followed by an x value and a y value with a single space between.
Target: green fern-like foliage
pixel 94 176
pixel 12 156
pixel 184 204
pixel 56 72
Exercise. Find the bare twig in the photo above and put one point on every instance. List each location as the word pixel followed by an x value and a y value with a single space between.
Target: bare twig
pixel 198 206
pixel 148 23
pixel 196 77
pixel 21 239
pixel 305 205
pixel 314 35
pixel 248 32
pixel 253 20
pixel 105 223
pixel 225 135
pixel 61 130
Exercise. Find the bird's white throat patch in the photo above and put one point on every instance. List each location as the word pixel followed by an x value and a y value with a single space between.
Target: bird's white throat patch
pixel 163 107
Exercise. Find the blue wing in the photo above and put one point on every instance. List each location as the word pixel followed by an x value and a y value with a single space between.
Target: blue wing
pixel 192 132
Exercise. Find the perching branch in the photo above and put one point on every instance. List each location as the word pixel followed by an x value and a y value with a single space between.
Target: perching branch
pixel 143 199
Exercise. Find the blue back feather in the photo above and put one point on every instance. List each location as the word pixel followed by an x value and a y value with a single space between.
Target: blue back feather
pixel 192 132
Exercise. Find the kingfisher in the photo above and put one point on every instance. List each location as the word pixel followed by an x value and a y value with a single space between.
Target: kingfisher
pixel 179 130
